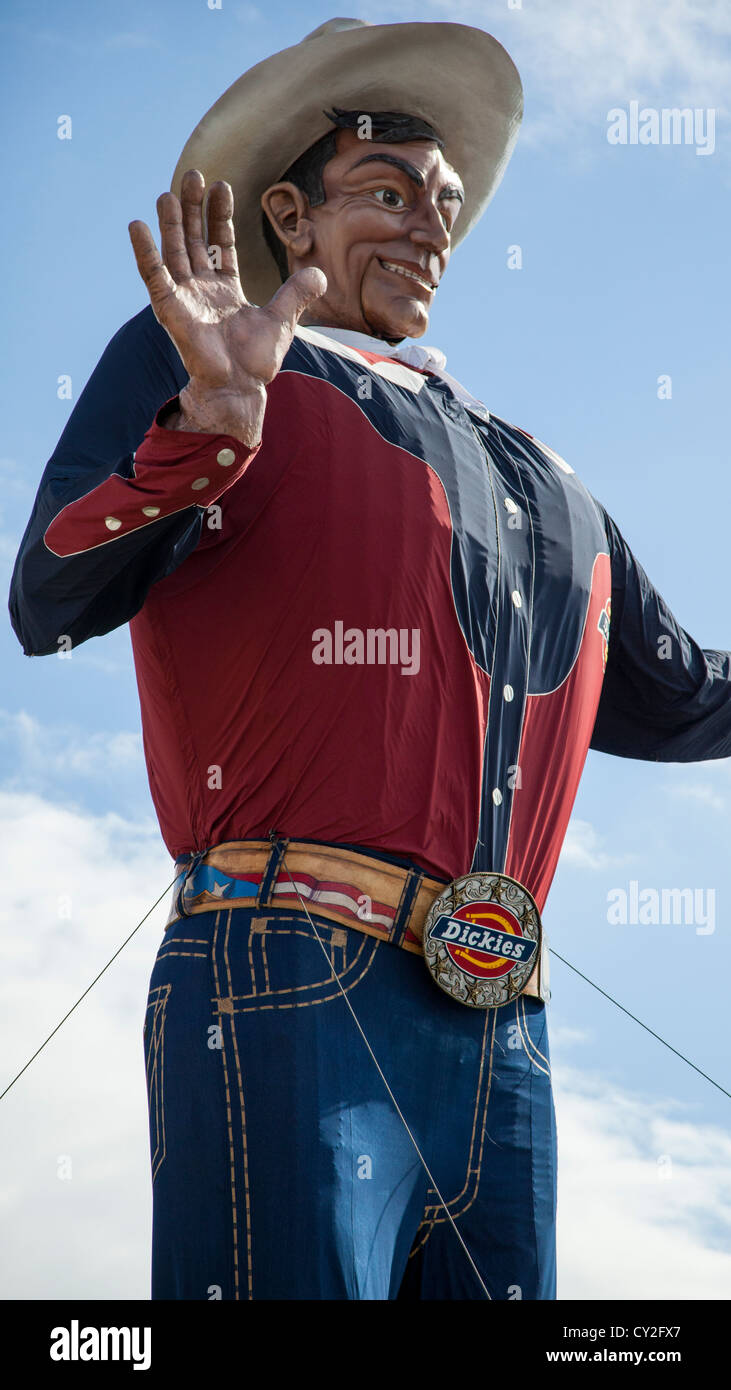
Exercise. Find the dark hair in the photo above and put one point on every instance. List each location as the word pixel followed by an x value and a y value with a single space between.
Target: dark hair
pixel 388 127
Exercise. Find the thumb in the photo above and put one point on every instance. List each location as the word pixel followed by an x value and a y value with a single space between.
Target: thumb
pixel 296 294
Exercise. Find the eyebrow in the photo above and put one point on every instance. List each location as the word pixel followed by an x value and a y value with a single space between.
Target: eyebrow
pixel 449 191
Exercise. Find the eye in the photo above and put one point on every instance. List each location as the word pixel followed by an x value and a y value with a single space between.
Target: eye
pixel 389 197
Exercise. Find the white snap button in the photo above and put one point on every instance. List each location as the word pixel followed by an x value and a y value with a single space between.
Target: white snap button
pixel 515 596
pixel 497 796
pixel 226 457
pixel 510 505
pixel 112 523
pixel 150 511
pixel 508 692
pixel 199 483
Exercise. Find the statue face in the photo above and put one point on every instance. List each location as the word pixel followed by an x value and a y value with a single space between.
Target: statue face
pixel 382 236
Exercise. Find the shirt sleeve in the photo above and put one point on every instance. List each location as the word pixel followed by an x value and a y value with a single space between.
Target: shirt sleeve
pixel 121 501
pixel 664 698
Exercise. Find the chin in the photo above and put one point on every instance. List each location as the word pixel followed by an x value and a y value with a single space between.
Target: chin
pixel 394 322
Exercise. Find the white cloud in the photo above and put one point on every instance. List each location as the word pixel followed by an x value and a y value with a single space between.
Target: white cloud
pixel 84 1096
pixel 44 753
pixel 582 847
pixel 701 792
pixel 565 1036
pixel 644 1196
pixel 88 655
pixel 582 57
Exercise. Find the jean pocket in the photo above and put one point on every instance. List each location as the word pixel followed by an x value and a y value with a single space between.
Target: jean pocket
pixel 285 963
pixel 154 1048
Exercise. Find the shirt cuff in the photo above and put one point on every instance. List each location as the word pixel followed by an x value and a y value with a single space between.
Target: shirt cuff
pixel 171 471
pixel 162 445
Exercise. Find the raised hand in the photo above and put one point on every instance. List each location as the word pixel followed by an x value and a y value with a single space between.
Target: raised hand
pixel 231 349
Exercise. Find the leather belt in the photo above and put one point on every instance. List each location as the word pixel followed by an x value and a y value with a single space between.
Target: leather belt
pixel 344 886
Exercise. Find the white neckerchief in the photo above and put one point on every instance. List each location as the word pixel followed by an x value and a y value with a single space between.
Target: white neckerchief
pixel 429 359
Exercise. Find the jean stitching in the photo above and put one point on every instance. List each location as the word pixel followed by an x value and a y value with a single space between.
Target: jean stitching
pixel 529 1043
pixel 316 985
pixel 194 955
pixel 156 1074
pixel 229 1115
pixel 308 1003
pixel 252 974
pixel 244 1143
pixel 436 1219
pixel 477 1172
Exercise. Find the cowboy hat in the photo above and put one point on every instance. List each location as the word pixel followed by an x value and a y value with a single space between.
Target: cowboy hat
pixel 458 78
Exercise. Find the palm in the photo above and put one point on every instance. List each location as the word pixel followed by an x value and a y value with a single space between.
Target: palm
pixel 225 343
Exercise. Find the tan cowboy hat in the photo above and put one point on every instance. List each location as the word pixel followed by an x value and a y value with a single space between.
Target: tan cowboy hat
pixel 457 78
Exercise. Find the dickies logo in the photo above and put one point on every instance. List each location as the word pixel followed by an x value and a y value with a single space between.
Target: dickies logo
pixel 482 937
pixel 485 940
pixel 605 618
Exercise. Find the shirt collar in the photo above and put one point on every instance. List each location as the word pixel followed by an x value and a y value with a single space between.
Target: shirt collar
pixel 427 359
pixel 355 340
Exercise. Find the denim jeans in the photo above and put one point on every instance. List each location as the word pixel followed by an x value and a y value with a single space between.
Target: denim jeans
pixel 280 1167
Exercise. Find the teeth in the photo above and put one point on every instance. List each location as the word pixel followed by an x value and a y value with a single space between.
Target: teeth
pixel 410 274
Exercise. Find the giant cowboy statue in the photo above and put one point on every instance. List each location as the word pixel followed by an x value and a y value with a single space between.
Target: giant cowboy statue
pixel 375 630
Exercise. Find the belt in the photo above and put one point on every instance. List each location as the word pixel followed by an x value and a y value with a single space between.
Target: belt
pixel 344 886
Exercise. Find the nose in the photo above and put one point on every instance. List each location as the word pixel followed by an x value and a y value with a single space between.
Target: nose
pixel 429 230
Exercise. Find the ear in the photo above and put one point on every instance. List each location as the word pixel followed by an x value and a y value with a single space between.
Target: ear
pixel 286 206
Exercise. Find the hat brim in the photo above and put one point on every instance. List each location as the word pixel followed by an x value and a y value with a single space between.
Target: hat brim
pixel 458 78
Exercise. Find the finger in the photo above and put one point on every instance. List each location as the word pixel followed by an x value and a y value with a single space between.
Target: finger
pixel 172 237
pixel 192 190
pixel 159 282
pixel 296 294
pixel 221 234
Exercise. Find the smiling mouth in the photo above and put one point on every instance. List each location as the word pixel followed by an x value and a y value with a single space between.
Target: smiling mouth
pixel 409 274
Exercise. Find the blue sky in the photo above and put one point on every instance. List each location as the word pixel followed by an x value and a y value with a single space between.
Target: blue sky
pixel 624 278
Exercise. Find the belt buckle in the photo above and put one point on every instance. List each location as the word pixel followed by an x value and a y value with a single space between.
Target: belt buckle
pixel 482 938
